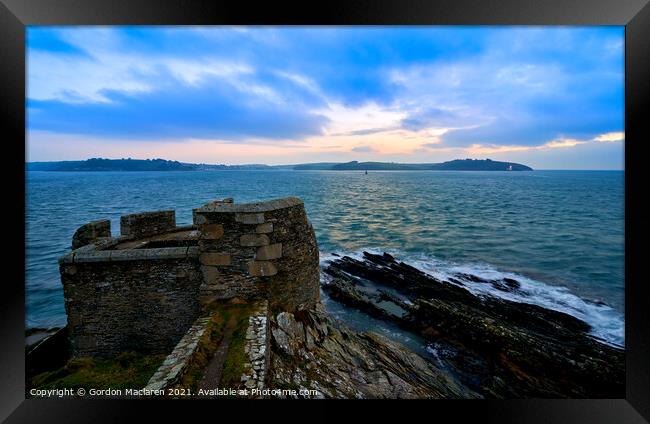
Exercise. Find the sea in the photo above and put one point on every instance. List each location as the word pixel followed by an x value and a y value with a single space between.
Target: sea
pixel 560 233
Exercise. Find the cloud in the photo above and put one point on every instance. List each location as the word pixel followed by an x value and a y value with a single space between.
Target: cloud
pixel 363 149
pixel 610 137
pixel 561 143
pixel 117 91
pixel 108 66
pixel 365 131
pixel 302 81
pixel 395 91
pixel 527 86
pixel 434 146
pixel 210 111
pixel 365 119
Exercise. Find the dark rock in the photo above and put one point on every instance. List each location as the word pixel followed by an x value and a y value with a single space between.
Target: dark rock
pixel 312 351
pixel 514 284
pixel 501 348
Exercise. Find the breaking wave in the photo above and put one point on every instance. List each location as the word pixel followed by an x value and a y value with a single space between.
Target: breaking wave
pixel 607 324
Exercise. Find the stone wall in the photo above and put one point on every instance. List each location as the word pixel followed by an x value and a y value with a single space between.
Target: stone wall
pixel 121 300
pixel 147 223
pixel 257 348
pixel 177 363
pixel 258 251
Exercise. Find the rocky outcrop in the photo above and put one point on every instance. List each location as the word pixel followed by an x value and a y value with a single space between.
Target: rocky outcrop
pixel 311 351
pixel 498 348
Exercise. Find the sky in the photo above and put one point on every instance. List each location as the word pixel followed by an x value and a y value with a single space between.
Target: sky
pixel 547 97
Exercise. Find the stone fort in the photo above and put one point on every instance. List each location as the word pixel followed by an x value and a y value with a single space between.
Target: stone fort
pixel 143 289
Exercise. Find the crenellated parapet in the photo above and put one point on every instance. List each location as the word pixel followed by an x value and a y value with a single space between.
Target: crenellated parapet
pixel 142 290
pixel 147 223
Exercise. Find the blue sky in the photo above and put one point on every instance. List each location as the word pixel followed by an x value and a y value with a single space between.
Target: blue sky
pixel 549 97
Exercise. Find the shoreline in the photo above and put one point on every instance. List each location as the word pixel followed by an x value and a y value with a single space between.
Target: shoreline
pixel 472 346
pixel 431 266
pixel 498 348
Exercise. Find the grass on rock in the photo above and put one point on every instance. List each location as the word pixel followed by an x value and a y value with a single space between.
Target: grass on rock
pixel 221 314
pixel 129 370
pixel 133 370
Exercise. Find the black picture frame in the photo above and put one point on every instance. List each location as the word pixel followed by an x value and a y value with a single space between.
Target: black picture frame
pixel 15 15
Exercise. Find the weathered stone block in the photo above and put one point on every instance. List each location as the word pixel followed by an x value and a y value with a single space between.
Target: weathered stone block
pixel 70 269
pixel 198 218
pixel 213 203
pixel 212 231
pixel 265 228
pixel 92 256
pixel 102 243
pixel 226 200
pixel 272 251
pixel 90 232
pixel 86 342
pixel 88 248
pixel 254 240
pixel 250 218
pixel 262 269
pixel 166 252
pixel 215 258
pixel 66 259
pixel 74 320
pixel 210 274
pixel 128 255
pixel 147 223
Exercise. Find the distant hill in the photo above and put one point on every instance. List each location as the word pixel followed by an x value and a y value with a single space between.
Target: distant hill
pixel 314 166
pixel 127 165
pixel 454 165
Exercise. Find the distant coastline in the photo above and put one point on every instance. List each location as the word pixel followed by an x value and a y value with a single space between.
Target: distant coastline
pixel 134 165
pixel 454 165
pixel 129 165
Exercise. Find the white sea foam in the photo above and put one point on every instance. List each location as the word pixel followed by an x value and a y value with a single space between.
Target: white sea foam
pixel 607 324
